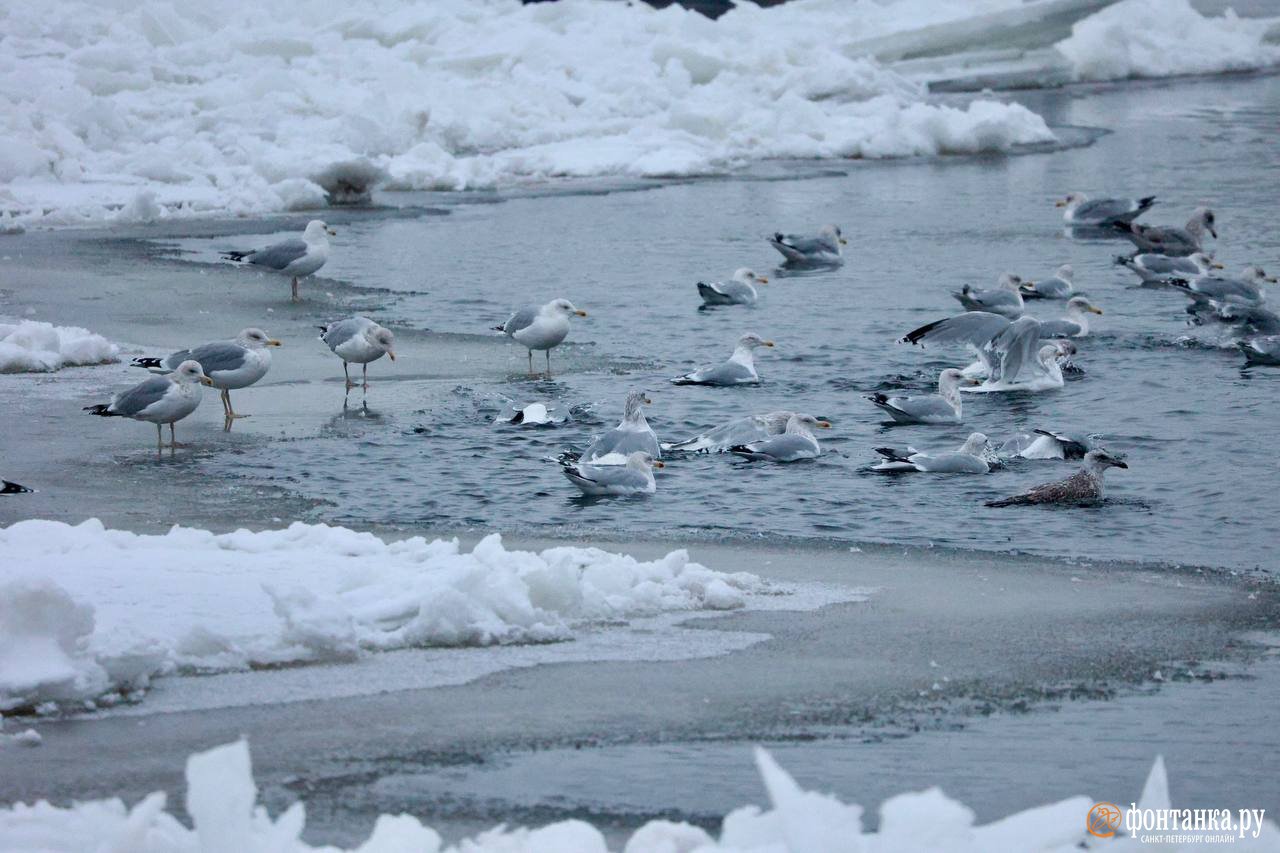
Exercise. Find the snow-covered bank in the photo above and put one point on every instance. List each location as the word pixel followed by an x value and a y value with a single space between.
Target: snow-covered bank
pixel 88 613
pixel 32 347
pixel 222 801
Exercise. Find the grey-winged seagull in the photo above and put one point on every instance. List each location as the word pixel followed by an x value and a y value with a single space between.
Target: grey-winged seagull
pixel 233 364
pixel 739 290
pixel 297 257
pixel 541 327
pixel 973 457
pixel 822 248
pixel 358 340
pixel 635 478
pixel 1170 240
pixel 159 400
pixel 1082 210
pixel 941 408
pixel 740 369
pixel 796 443
pixel 633 433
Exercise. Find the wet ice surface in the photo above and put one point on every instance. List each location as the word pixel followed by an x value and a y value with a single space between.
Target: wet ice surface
pixel 1173 397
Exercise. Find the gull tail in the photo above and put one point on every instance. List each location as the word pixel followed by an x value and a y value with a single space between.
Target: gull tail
pixel 1016 500
pixel 238 257
pixel 1145 203
pixel 148 363
pixel 102 410
pixel 8 488
pixel 893 454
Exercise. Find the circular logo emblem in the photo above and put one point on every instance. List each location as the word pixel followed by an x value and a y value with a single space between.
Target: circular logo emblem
pixel 1104 820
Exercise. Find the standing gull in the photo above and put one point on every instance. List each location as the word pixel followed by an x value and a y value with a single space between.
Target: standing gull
pixel 798 442
pixel 821 249
pixel 358 340
pixel 973 457
pixel 1057 286
pixel 233 364
pixel 740 369
pixel 635 478
pixel 739 290
pixel 297 257
pixel 941 408
pixel 1082 210
pixel 159 400
pixel 543 328
pixel 1170 240
pixel 1154 268
pixel 737 431
pixel 1083 487
pixel 633 433
pixel 1005 299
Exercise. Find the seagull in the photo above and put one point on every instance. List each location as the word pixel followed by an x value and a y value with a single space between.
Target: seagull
pixel 1154 268
pixel 1081 210
pixel 737 431
pixel 297 257
pixel 1261 350
pixel 1047 444
pixel 740 369
pixel 542 328
pixel 8 487
pixel 1083 487
pixel 1043 374
pixel 1075 324
pixel 1245 290
pixel 796 443
pixel 1057 286
pixel 1005 299
pixel 941 408
pixel 358 340
pixel 635 478
pixel 740 290
pixel 237 363
pixel 534 414
pixel 1170 240
pixel 973 457
pixel 824 248
pixel 159 400
pixel 634 433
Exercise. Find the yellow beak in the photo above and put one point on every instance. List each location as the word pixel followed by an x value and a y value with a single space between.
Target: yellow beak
pixel 768 343
pixel 1095 309
pixel 274 343
pixel 581 313
pixel 1062 202
pixel 391 355
pixel 763 279
pixel 205 380
pixel 658 463
pixel 824 424
pixel 332 233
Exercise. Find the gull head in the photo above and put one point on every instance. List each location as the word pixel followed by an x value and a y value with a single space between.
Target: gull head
pixel 1071 200
pixel 1257 275
pixel 317 230
pixel 564 308
pixel 191 371
pixel 832 234
pixel 806 423
pixel 1009 281
pixel 1079 304
pixel 1066 272
pixel 975 445
pixel 256 339
pixel 381 338
pixel 952 378
pixel 751 341
pixel 635 400
pixel 748 276
pixel 1202 217
pixel 1205 262
pixel 1099 460
pixel 641 461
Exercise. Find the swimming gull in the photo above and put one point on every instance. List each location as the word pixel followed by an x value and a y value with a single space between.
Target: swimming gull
pixel 1263 349
pixel 159 400
pixel 1245 290
pixel 1082 210
pixel 737 431
pixel 1005 299
pixel 1076 322
pixel 739 290
pixel 973 457
pixel 740 369
pixel 1083 487
pixel 1048 444
pixel 1057 286
pixel 8 487
pixel 941 408
pixel 533 414
pixel 297 257
pixel 541 327
pixel 358 340
pixel 820 249
pixel 1155 269
pixel 633 433
pixel 1170 240
pixel 796 443
pixel 233 364
pixel 635 478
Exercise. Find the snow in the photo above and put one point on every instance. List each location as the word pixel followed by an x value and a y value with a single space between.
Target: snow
pixel 1162 38
pixel 221 799
pixel 75 626
pixel 31 346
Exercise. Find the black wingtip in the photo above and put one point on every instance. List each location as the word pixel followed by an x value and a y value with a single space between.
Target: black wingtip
pixel 916 335
pixel 501 328
pixel 101 409
pixel 1146 201
pixel 10 488
pixel 876 398
pixel 236 256
pixel 147 363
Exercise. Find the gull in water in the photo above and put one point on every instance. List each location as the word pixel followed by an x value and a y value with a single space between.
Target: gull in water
pixel 358 340
pixel 820 249
pixel 740 369
pixel 734 432
pixel 1245 290
pixel 634 433
pixel 1075 324
pixel 233 364
pixel 1157 269
pixel 1042 374
pixel 1170 240
pixel 541 328
pixel 973 457
pixel 1047 444
pixel 1082 210
pixel 941 408
pixel 635 478
pixel 1261 350
pixel 159 400
pixel 739 290
pixel 534 414
pixel 1057 286
pixel 1005 299
pixel 297 257
pixel 8 487
pixel 796 443
pixel 1083 487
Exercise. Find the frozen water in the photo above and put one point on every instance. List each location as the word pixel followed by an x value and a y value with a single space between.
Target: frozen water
pixel 33 347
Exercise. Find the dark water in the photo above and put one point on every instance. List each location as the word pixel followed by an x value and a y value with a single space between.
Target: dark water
pixel 1197 428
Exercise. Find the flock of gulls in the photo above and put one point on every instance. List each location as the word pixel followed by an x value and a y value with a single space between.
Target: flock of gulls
pixel 1011 352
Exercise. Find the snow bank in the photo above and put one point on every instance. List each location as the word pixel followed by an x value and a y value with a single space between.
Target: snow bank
pixel 1162 38
pixel 42 347
pixel 86 611
pixel 221 799
pixel 155 110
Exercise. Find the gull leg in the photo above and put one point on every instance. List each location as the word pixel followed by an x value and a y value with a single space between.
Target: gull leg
pixel 530 362
pixel 231 412
pixel 547 353
pixel 159 439
pixel 347 374
pixel 295 288
pixel 365 372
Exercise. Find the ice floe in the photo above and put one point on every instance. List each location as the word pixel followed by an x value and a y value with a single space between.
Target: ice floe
pixel 34 347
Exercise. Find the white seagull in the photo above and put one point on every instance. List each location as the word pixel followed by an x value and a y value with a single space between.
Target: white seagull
pixel 1098 212
pixel 798 442
pixel 633 433
pixel 973 457
pixel 820 249
pixel 941 408
pixel 739 290
pixel 358 340
pixel 297 257
pixel 541 328
pixel 159 400
pixel 233 364
pixel 635 478
pixel 740 369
